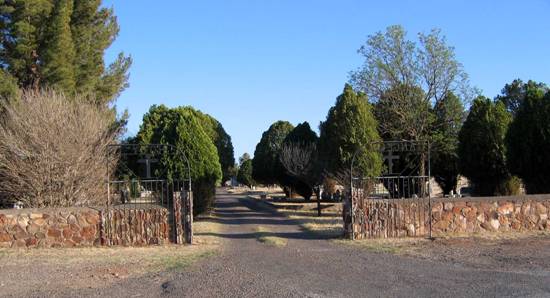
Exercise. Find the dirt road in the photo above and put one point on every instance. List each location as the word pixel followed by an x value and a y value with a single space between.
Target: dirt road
pixel 268 255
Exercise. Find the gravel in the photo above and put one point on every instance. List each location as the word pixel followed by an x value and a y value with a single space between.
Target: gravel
pixel 311 267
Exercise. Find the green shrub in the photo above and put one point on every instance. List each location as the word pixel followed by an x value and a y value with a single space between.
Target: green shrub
pixel 181 128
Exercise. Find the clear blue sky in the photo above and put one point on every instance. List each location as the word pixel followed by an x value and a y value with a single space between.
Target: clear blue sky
pixel 250 63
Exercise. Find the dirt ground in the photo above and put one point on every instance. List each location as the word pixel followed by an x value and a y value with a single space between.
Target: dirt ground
pixel 249 249
pixel 25 271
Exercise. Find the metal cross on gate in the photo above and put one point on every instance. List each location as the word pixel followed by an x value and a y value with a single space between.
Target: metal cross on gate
pixel 147 161
pixel 390 158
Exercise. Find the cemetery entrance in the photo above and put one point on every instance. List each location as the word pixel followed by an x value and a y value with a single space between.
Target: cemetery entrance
pixel 146 177
pixel 397 203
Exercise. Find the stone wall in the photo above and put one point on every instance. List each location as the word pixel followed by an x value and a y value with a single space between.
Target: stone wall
pixel 463 216
pixel 68 227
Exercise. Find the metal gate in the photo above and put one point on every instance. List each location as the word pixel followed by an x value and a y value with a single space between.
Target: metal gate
pixel 396 203
pixel 145 176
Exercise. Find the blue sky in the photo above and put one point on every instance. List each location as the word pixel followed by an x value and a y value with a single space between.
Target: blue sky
pixel 251 63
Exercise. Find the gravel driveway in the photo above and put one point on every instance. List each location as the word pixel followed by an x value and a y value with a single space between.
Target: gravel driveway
pixel 299 264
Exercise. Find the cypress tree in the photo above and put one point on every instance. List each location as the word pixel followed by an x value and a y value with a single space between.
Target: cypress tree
pixel 482 149
pixel 350 127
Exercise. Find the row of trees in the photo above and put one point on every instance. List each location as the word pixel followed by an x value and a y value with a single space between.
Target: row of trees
pixel 508 136
pixel 416 90
pixel 298 160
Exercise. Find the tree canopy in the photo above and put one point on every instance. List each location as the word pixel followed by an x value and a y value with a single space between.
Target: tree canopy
pixel 299 157
pixel 266 166
pixel 350 127
pixel 528 140
pixel 482 149
pixel 392 60
pixel 180 127
pixel 449 116
pixel 214 129
pixel 244 175
pixel 61 44
pixel 513 94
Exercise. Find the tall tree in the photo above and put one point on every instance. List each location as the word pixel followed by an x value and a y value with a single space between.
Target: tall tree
pixel 482 149
pixel 181 128
pixel 528 141
pixel 214 129
pixel 450 115
pixel 266 166
pixel 404 114
pixel 299 157
pixel 391 60
pixel 60 44
pixel 59 53
pixel 513 94
pixel 350 127
pixel 244 175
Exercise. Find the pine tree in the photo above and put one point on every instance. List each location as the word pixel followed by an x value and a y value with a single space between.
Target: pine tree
pixel 60 43
pixel 59 53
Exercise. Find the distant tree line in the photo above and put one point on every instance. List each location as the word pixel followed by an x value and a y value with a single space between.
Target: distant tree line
pixel 418 91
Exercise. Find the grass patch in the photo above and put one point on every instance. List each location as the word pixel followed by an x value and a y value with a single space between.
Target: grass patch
pixel 264 236
pixel 397 246
pixel 179 263
pixel 329 225
pixel 135 260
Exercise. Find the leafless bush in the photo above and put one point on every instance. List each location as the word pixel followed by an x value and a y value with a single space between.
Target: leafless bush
pixel 300 161
pixel 53 150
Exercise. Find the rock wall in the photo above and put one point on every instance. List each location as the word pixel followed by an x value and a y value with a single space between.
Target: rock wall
pixel 463 216
pixel 68 227
pixel 135 227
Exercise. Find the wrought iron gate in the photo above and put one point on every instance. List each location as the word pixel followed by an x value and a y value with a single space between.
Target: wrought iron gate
pixel 396 203
pixel 145 176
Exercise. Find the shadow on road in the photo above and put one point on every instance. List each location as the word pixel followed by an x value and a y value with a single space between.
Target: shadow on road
pixel 239 215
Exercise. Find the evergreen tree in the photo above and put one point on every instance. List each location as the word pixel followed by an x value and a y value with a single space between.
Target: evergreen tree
pixel 482 148
pixel 513 94
pixel 181 128
pixel 528 141
pixel 59 52
pixel 266 166
pixel 449 114
pixel 8 86
pixel 299 157
pixel 350 127
pixel 244 175
pixel 214 129
pixel 60 44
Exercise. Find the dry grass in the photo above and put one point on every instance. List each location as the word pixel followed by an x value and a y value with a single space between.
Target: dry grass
pixel 203 228
pixel 97 267
pixel 135 260
pixel 79 268
pixel 263 235
pixel 399 246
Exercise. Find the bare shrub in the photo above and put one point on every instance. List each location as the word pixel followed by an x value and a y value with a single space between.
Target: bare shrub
pixel 53 150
